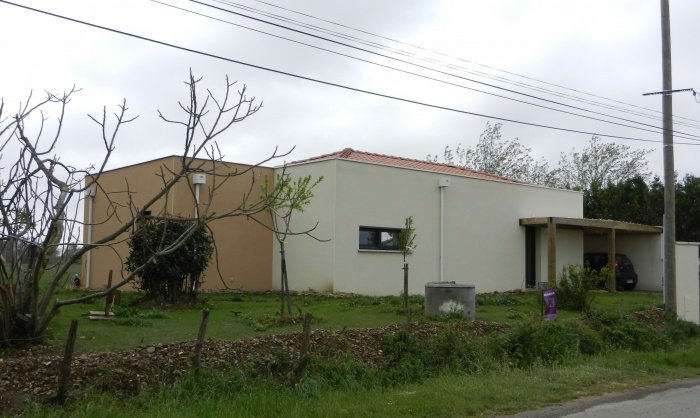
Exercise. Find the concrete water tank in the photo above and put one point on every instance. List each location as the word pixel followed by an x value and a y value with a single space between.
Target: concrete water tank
pixel 450 298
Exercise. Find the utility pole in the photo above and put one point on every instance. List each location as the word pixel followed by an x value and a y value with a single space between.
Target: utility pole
pixel 669 169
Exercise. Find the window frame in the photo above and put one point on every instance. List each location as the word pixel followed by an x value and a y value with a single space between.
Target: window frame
pixel 377 245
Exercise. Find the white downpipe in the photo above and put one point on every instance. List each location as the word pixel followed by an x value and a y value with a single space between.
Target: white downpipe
pixel 442 233
pixel 88 263
pixel 442 184
pixel 197 179
pixel 196 200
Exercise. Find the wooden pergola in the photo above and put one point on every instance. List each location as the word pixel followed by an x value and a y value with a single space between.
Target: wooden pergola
pixel 589 227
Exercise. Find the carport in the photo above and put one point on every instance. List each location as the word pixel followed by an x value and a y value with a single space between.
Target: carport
pixel 590 227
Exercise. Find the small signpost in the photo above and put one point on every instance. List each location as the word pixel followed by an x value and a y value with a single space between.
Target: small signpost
pixel 549 304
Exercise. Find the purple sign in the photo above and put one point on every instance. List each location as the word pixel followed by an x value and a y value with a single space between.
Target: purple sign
pixel 549 297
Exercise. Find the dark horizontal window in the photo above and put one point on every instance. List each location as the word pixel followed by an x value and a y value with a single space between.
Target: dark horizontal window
pixel 372 238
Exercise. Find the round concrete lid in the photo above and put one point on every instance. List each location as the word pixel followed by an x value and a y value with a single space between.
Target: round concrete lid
pixel 449 285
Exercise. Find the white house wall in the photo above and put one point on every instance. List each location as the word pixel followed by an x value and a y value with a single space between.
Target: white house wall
pixel 569 248
pixel 484 244
pixel 310 263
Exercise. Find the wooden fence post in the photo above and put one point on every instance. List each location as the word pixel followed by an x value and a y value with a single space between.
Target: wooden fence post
pixel 304 354
pixel 109 294
pixel 65 367
pixel 200 341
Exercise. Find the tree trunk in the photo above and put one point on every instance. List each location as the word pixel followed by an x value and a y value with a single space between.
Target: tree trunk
pixel 284 268
pixel 406 305
pixel 284 285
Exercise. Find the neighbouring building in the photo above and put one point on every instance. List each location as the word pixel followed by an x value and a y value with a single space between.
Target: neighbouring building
pixel 243 254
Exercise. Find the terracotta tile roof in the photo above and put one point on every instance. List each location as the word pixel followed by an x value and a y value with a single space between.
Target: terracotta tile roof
pixel 367 157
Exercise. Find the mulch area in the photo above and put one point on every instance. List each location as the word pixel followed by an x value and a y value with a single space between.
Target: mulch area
pixel 32 374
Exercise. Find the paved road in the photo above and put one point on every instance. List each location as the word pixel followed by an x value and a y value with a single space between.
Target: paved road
pixel 673 400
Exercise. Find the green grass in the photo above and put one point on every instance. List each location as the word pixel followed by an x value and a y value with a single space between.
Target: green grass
pixel 232 316
pixel 471 384
pixel 236 316
pixel 449 395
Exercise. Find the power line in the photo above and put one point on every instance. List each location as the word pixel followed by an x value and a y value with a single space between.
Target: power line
pixel 428 68
pixel 206 54
pixel 452 66
pixel 474 63
pixel 445 64
pixel 432 78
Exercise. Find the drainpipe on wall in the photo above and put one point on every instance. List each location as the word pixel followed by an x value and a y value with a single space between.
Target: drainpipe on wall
pixel 442 184
pixel 90 197
pixel 197 180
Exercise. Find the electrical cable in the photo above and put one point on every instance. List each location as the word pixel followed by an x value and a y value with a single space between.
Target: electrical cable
pixel 206 54
pixel 448 65
pixel 426 68
pixel 444 64
pixel 464 60
pixel 679 134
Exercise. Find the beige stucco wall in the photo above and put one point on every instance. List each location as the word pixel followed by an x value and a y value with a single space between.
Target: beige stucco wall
pixel 484 244
pixel 243 248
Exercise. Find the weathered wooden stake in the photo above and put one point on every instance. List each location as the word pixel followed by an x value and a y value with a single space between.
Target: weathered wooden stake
pixel 110 295
pixel 65 367
pixel 200 341
pixel 303 355
pixel 622 308
pixel 406 304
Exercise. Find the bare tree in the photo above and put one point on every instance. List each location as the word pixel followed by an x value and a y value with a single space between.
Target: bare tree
pixel 40 196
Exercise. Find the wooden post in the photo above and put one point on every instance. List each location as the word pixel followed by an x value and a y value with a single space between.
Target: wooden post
pixel 406 304
pixel 612 282
pixel 200 341
pixel 65 367
pixel 405 286
pixel 109 294
pixel 622 309
pixel 303 355
pixel 551 254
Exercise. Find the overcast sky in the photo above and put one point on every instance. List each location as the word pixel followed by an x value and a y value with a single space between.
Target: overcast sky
pixel 607 51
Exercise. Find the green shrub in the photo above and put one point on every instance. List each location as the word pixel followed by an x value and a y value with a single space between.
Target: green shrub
pixel 625 333
pixel 590 342
pixel 537 343
pixel 404 359
pixel 125 311
pixel 173 274
pixel 454 352
pixel 344 373
pixel 575 284
pixel 400 345
pixel 679 330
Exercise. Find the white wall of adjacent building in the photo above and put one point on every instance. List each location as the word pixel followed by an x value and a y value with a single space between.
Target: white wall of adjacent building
pixel 687 284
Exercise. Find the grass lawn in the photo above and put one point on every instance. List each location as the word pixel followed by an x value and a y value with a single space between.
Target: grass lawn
pixel 236 316
pixel 495 390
